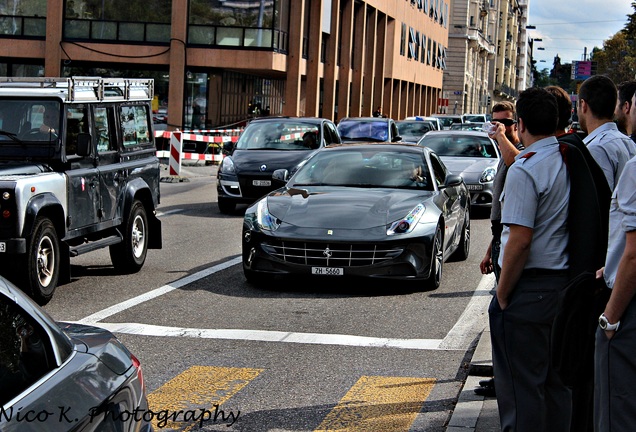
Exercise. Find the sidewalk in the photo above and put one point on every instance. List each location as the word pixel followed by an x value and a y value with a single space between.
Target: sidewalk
pixel 476 413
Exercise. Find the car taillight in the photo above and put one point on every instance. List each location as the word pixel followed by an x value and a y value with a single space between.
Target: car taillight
pixel 140 373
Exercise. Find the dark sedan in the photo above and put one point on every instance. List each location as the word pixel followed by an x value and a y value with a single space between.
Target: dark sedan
pixel 268 144
pixel 388 211
pixel 63 377
pixel 471 154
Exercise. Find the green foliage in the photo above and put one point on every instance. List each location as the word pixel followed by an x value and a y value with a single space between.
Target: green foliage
pixel 617 58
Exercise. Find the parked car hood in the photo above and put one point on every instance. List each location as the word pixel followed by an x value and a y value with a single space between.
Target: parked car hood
pixel 459 165
pixel 343 207
pixel 252 160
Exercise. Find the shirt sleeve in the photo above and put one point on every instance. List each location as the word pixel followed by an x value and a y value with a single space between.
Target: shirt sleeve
pixel 520 198
pixel 626 197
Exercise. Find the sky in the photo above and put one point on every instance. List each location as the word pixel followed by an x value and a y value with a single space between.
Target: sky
pixel 567 27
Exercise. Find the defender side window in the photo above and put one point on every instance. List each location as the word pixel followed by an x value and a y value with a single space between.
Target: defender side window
pixel 103 130
pixel 135 125
pixel 76 123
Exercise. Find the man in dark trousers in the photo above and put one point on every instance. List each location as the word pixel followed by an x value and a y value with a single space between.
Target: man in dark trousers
pixel 504 117
pixel 588 226
pixel 534 270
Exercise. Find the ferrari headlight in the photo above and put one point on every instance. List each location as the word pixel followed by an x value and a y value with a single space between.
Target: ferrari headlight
pixel 264 219
pixel 227 166
pixel 407 224
pixel 488 175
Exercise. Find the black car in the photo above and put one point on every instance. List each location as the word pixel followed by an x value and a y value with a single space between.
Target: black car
pixel 413 130
pixel 78 172
pixel 386 211
pixel 64 377
pixel 268 144
pixel 368 129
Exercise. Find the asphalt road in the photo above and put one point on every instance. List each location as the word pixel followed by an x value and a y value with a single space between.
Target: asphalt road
pixel 295 356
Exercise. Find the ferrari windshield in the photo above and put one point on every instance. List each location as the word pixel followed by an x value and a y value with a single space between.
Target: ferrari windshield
pixel 285 134
pixel 29 120
pixel 365 168
pixel 460 145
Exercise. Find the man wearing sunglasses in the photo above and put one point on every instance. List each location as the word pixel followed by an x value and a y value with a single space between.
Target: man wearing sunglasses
pixel 503 116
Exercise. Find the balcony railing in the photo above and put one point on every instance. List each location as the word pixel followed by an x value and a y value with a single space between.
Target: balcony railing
pixel 119 31
pixel 25 26
pixel 248 37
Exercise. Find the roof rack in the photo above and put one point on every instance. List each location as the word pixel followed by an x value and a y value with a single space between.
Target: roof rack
pixel 81 89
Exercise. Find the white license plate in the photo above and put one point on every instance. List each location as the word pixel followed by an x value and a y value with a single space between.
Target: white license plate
pixel 261 182
pixel 327 271
pixel 3 247
pixel 475 187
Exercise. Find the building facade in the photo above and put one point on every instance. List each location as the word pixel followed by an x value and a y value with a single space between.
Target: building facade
pixel 471 50
pixel 509 70
pixel 218 62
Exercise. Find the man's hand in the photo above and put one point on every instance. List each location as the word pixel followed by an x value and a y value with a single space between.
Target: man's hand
pixel 486 265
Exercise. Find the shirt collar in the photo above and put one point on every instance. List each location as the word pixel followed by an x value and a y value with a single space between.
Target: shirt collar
pixel 610 125
pixel 538 146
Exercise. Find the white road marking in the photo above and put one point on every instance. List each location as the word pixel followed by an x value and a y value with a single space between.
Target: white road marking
pixel 472 322
pixel 115 309
pixel 271 336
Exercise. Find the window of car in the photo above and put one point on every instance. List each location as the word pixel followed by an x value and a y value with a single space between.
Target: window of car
pixel 135 125
pixel 76 123
pixel 439 170
pixel 103 130
pixel 330 134
pixel 277 135
pixel 26 353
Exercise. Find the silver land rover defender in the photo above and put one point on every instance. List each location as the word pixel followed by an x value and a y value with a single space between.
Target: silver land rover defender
pixel 78 172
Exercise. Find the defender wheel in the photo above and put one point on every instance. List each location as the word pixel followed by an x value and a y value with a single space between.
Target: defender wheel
pixel 42 261
pixel 226 206
pixel 437 262
pixel 129 256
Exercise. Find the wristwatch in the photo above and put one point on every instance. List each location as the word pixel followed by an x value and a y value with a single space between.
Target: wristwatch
pixel 604 323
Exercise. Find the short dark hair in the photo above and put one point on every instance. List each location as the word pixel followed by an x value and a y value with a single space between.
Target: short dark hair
pixel 537 107
pixel 626 90
pixel 564 105
pixel 600 94
pixel 504 106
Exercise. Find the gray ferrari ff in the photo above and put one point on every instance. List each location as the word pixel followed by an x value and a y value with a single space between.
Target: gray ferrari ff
pixel 363 210
pixel 62 376
pixel 471 154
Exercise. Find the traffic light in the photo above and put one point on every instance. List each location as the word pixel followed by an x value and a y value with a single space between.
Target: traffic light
pixel 488 101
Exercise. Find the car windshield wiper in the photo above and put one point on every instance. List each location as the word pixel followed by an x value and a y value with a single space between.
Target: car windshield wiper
pixel 11 135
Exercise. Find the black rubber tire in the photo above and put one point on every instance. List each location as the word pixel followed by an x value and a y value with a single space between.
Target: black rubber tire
pixel 437 262
pixel 129 256
pixel 226 206
pixel 42 261
pixel 461 254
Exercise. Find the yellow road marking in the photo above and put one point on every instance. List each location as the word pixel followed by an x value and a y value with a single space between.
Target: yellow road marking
pixel 377 403
pixel 196 389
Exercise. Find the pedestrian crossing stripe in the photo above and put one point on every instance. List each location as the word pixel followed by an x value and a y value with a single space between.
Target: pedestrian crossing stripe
pixel 197 393
pixel 379 403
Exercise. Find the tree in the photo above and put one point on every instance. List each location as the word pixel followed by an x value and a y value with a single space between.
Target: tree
pixel 617 58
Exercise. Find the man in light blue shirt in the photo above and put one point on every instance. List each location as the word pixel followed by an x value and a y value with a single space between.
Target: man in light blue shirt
pixel 615 361
pixel 609 147
pixel 534 271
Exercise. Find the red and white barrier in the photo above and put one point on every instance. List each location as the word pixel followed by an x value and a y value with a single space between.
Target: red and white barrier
pixel 176 156
pixel 175 153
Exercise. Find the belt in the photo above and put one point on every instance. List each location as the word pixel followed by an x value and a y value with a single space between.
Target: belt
pixel 543 272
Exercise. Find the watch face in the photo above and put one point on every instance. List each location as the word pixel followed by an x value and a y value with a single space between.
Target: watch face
pixel 602 322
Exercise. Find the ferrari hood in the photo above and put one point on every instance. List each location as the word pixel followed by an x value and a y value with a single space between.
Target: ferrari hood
pixel 342 208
